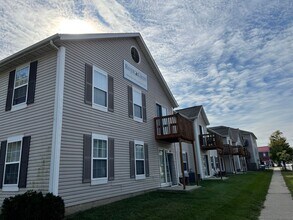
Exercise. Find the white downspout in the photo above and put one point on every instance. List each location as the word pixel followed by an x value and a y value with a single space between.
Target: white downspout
pixel 57 123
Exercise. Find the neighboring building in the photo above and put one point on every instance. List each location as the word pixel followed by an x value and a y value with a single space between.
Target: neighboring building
pixel 77 119
pixel 250 143
pixel 233 151
pixel 209 162
pixel 264 155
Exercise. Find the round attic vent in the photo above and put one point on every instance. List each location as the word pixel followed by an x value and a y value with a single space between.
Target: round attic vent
pixel 135 54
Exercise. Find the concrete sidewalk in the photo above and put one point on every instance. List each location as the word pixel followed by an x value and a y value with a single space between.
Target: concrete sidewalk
pixel 279 203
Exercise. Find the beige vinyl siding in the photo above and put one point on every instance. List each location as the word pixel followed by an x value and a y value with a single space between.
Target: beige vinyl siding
pixel 80 118
pixel 36 120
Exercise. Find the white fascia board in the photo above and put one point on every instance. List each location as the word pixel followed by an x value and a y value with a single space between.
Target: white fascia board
pixel 96 36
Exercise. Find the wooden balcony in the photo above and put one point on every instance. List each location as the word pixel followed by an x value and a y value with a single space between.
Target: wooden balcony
pixel 172 128
pixel 246 153
pixel 238 150
pixel 227 150
pixel 210 141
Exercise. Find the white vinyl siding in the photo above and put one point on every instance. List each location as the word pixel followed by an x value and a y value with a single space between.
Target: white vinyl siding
pixel 12 164
pixel 137 105
pixel 139 160
pixel 100 89
pixel 99 159
pixel 20 87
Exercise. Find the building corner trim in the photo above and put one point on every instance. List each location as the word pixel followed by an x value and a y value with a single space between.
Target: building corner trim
pixel 57 122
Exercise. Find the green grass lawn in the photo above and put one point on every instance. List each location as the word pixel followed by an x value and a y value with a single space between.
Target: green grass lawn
pixel 239 197
pixel 288 177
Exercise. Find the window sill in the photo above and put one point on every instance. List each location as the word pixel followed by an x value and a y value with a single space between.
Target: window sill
pixel 140 177
pixel 137 119
pixel 100 107
pixel 10 188
pixel 99 181
pixel 18 107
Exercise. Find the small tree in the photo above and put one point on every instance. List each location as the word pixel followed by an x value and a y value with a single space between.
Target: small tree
pixel 280 150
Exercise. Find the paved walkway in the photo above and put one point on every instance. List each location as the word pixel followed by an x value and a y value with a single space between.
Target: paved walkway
pixel 279 203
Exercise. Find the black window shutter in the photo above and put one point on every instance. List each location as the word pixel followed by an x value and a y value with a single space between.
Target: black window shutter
pixel 87 151
pixel 10 91
pixel 111 159
pixel 146 157
pixel 32 82
pixel 130 102
pixel 110 94
pixel 24 161
pixel 187 165
pixel 88 84
pixel 2 160
pixel 131 159
pixel 144 116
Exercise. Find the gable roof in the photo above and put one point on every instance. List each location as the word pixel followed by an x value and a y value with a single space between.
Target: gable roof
pixel 223 130
pixel 247 133
pixel 194 112
pixel 48 45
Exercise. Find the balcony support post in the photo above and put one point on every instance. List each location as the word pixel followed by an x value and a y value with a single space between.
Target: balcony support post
pixel 220 164
pixel 195 164
pixel 182 165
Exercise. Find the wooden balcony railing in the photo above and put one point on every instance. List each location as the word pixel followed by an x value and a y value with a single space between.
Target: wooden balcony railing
pixel 238 150
pixel 210 141
pixel 227 149
pixel 246 153
pixel 172 128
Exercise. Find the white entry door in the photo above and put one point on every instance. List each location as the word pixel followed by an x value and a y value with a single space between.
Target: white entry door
pixel 165 173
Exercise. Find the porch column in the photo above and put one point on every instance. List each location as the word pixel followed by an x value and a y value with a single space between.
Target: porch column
pixel 195 166
pixel 220 164
pixel 182 165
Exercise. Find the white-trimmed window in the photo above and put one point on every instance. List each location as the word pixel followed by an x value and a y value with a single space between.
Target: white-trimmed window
pixel 20 86
pixel 185 161
pixel 99 159
pixel 137 105
pixel 139 160
pixel 12 163
pixel 100 89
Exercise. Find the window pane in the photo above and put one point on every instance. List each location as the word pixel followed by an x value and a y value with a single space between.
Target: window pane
pixel 99 168
pixel 139 151
pixel 100 97
pixel 11 174
pixel 19 95
pixel 137 111
pixel 100 148
pixel 139 167
pixel 100 81
pixel 13 152
pixel 21 76
pixel 137 98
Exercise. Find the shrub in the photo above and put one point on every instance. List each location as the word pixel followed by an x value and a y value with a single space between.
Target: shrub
pixel 33 205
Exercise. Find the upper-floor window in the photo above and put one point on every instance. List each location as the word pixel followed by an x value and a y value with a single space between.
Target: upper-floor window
pixel 21 85
pixel 100 89
pixel 137 104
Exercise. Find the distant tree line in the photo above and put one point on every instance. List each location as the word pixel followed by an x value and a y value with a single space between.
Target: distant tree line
pixel 280 150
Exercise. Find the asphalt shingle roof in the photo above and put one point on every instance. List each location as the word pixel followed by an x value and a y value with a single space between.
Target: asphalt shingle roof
pixel 191 112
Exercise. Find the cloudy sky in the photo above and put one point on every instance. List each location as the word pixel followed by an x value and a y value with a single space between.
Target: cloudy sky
pixel 233 57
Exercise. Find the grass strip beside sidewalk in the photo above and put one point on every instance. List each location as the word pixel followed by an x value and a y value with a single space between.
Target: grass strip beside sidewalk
pixel 288 177
pixel 239 197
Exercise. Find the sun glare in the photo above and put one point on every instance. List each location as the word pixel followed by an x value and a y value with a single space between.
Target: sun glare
pixel 75 26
